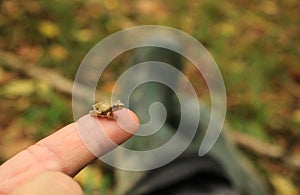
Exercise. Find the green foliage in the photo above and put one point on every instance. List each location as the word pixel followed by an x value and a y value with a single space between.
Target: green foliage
pixel 47 115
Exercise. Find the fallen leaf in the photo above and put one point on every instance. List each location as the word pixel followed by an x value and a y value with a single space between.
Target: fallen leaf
pixel 111 4
pixel 269 7
pixel 17 88
pixel 90 176
pixel 283 185
pixel 23 87
pixel 48 29
pixel 84 35
pixel 58 52
pixel 296 116
pixel 5 76
pixel 156 9
pixel 29 52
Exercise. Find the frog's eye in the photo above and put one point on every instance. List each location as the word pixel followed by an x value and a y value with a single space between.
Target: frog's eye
pixel 121 105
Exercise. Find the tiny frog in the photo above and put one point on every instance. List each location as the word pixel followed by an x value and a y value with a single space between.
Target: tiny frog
pixel 106 109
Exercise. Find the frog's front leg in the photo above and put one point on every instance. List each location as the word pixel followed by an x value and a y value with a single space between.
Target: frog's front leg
pixel 109 115
pixel 94 112
pixel 94 108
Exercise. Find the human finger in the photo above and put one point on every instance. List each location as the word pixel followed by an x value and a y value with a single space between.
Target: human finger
pixel 49 183
pixel 66 151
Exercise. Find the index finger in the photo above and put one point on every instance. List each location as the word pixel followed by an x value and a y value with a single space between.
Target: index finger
pixel 65 149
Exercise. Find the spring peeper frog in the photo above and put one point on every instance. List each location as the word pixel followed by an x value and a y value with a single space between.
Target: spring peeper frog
pixel 106 109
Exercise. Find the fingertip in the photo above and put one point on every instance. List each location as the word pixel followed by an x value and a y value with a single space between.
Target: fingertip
pixel 101 134
pixel 134 117
pixel 127 120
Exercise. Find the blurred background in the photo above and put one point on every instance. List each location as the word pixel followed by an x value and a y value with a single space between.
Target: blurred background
pixel 256 45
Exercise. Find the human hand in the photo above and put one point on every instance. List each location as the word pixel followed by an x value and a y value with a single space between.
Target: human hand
pixel 47 166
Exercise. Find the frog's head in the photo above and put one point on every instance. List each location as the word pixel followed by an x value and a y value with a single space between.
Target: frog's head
pixel 118 105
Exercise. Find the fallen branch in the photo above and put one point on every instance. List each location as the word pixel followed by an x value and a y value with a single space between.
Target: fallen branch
pixel 46 75
pixel 264 149
pixel 256 146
